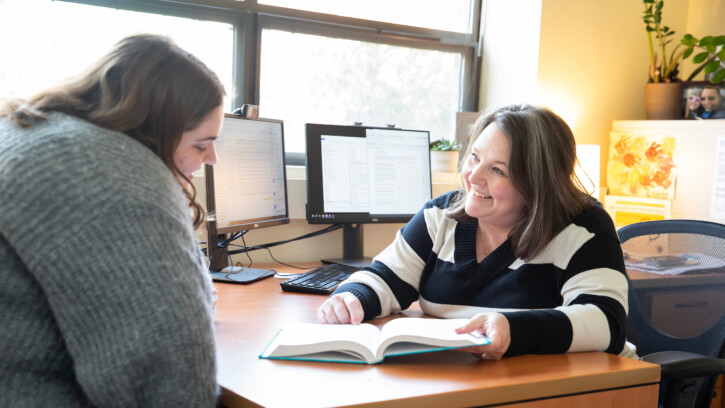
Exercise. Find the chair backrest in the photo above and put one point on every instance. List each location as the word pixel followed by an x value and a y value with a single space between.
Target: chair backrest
pixel 676 270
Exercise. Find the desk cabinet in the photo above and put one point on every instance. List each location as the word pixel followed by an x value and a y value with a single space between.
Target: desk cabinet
pixel 673 312
pixel 683 305
pixel 631 397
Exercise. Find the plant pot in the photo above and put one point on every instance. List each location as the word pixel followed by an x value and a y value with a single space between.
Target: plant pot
pixel 662 100
pixel 443 161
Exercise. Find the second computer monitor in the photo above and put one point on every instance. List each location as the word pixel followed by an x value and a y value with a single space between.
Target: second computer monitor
pixel 247 187
pixel 362 175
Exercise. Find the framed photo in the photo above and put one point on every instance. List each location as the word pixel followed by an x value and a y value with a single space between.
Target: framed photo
pixel 702 100
pixel 464 123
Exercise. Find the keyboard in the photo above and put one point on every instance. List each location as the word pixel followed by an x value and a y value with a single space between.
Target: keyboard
pixel 322 280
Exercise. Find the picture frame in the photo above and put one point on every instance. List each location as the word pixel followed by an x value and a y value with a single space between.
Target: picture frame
pixel 464 123
pixel 691 106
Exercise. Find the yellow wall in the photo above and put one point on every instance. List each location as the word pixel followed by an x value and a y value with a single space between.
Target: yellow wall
pixel 593 62
pixel 593 59
pixel 705 17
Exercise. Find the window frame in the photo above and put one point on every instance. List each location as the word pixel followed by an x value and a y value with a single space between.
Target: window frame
pixel 249 19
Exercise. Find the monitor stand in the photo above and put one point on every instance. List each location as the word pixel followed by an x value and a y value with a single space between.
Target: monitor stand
pixel 352 247
pixel 238 274
pixel 219 262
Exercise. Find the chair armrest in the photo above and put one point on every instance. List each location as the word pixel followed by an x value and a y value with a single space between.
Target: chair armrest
pixel 680 364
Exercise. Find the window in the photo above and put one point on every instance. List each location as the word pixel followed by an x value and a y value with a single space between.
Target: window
pixel 302 61
pixel 449 15
pixel 315 79
pixel 48 41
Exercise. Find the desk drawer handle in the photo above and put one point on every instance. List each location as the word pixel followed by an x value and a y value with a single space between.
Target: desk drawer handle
pixel 685 305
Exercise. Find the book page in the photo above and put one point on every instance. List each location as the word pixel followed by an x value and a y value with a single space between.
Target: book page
pixel 439 333
pixel 306 338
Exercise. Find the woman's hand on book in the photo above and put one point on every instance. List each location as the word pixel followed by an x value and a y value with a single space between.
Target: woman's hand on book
pixel 342 308
pixel 493 325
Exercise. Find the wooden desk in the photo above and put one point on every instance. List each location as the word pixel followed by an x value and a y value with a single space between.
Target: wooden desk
pixel 248 316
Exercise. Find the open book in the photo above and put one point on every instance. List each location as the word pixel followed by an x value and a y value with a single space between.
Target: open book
pixel 365 343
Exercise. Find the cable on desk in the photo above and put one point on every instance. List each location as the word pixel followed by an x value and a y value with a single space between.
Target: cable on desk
pixel 247 252
pixel 306 268
pixel 271 244
pixel 286 264
pixel 224 245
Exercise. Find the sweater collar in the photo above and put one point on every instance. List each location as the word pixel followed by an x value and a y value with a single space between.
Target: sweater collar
pixel 465 252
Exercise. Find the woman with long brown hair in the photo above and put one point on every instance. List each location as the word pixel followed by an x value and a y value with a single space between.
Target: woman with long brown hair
pixel 522 250
pixel 105 298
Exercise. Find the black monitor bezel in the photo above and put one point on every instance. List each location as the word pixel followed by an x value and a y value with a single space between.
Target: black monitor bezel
pixel 313 161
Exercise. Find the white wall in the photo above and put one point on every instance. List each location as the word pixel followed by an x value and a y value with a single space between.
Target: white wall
pixel 510 36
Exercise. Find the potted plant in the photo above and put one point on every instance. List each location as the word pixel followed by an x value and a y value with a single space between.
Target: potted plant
pixel 444 156
pixel 663 91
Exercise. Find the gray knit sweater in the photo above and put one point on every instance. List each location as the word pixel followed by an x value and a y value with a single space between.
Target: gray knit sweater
pixel 103 296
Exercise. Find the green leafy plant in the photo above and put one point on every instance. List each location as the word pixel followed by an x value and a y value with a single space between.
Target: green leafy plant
pixel 665 70
pixel 445 145
pixel 710 57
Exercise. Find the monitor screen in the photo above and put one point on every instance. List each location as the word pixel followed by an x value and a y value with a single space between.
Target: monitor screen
pixel 363 175
pixel 247 187
pixel 358 174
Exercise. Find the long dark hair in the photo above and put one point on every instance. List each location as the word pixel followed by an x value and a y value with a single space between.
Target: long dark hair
pixel 146 87
pixel 542 161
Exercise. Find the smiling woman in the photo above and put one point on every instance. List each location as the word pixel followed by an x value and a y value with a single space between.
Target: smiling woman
pixel 522 250
pixel 535 156
pixel 492 197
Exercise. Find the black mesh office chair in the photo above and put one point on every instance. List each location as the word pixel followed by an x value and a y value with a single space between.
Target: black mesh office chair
pixel 676 273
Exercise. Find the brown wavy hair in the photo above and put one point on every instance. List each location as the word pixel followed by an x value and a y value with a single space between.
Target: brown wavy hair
pixel 541 165
pixel 146 87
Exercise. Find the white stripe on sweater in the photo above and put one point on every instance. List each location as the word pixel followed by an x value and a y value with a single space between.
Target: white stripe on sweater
pixel 601 282
pixel 442 231
pixel 561 249
pixel 403 260
pixel 590 328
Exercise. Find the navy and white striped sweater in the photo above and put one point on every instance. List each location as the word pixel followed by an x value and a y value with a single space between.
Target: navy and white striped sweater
pixel 571 297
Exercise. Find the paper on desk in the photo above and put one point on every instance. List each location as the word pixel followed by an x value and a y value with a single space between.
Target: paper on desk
pixel 699 262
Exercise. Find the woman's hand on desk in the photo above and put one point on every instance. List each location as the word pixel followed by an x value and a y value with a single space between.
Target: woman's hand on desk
pixel 342 308
pixel 493 325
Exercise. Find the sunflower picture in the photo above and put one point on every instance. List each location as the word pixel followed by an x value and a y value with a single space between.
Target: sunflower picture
pixel 642 166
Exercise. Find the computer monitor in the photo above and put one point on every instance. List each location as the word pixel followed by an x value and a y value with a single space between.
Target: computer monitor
pixel 363 175
pixel 247 187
